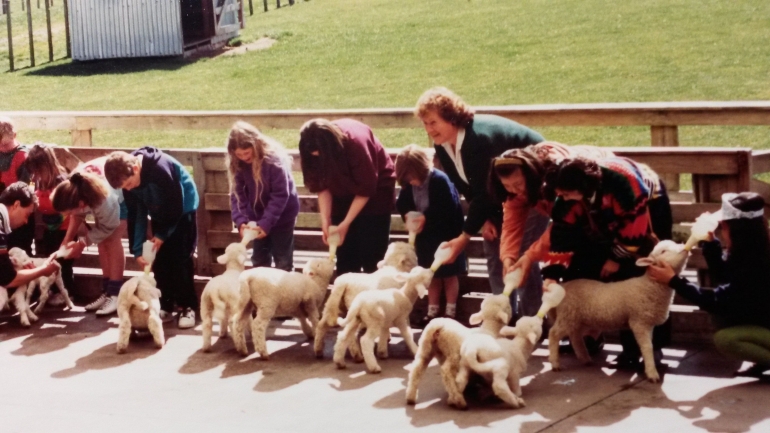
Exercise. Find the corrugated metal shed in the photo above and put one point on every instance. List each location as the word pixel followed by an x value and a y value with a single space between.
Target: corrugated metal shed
pixel 103 29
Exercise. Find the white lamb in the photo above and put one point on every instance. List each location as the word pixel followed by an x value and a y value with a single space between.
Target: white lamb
pixel 19 300
pixel 400 257
pixel 20 260
pixel 499 360
pixel 220 296
pixel 442 338
pixel 139 308
pixel 277 292
pixel 378 310
pixel 639 303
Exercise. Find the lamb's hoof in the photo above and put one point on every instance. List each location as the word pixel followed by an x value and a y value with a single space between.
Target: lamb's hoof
pixel 458 404
pixel 654 379
pixel 411 401
pixel 375 370
pixel 340 365
pixel 206 349
pixel 319 355
pixel 121 350
pixel 264 357
pixel 25 323
pixel 555 367
pixel 159 345
pixel 382 355
pixel 358 359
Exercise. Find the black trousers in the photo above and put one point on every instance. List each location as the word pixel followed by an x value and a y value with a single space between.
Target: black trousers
pixel 365 243
pixel 174 268
pixel 23 236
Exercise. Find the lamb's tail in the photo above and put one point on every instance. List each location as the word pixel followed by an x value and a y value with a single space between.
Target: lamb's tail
pixel 332 306
pixel 471 356
pixel 428 338
pixel 138 303
pixel 352 316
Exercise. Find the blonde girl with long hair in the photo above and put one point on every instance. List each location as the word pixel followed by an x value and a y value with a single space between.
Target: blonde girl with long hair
pixel 262 190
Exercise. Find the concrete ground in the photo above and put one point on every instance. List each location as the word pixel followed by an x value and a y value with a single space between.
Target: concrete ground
pixel 63 375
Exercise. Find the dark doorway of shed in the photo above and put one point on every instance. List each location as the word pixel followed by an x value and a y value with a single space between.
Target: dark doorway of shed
pixel 197 22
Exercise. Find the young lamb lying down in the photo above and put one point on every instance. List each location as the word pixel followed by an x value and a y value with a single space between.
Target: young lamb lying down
pixel 220 296
pixel 277 292
pixel 400 257
pixel 442 338
pixel 639 303
pixel 20 259
pixel 378 310
pixel 139 308
pixel 499 360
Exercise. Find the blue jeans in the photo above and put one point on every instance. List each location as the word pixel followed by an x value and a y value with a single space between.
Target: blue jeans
pixel 530 293
pixel 277 246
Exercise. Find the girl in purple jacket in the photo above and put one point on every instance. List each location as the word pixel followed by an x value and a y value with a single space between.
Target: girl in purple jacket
pixel 262 190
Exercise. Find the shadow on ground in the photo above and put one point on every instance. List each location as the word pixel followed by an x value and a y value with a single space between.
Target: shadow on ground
pixel 110 67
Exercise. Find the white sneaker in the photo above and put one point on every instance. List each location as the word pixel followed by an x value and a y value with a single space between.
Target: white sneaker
pixel 186 319
pixel 165 316
pixel 56 300
pixel 97 304
pixel 109 307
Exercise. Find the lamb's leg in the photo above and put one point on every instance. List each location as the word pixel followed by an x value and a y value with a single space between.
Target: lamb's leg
pixel 124 329
pixel 313 315
pixel 382 343
pixel 320 333
pixel 463 374
pixel 406 334
pixel 3 298
pixel 449 370
pixel 513 383
pixel 554 336
pixel 643 335
pixel 367 347
pixel 421 361
pixel 207 322
pixel 500 385
pixel 20 302
pixel 241 320
pixel 225 322
pixel 155 325
pixel 303 323
pixel 63 291
pixel 45 292
pixel 344 338
pixel 355 346
pixel 259 330
pixel 576 339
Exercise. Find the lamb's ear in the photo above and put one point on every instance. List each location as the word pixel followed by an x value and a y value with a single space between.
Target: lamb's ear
pixel 222 260
pixel 380 264
pixel 503 317
pixel 644 262
pixel 422 290
pixel 475 319
pixel 532 337
pixel 509 332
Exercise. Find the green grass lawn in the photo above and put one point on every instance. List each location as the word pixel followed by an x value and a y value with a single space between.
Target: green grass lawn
pixel 378 53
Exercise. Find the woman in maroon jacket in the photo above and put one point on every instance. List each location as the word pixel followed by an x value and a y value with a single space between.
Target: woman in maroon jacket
pixel 347 166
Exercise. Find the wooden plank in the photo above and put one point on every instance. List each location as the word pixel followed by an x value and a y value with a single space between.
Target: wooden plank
pixel 687 212
pixel 204 218
pixel 760 161
pixel 31 38
pixel 220 220
pixel 216 182
pixel 619 114
pixel 81 138
pixel 666 136
pixel 9 25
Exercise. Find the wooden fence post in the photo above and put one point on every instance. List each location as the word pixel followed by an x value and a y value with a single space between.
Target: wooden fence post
pixel 277 4
pixel 65 3
pixel 666 136
pixel 203 266
pixel 48 28
pixel 82 138
pixel 29 28
pixel 10 32
pixel 251 8
pixel 265 2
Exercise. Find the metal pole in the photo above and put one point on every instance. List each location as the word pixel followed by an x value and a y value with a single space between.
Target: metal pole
pixel 10 32
pixel 29 28
pixel 48 27
pixel 67 27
